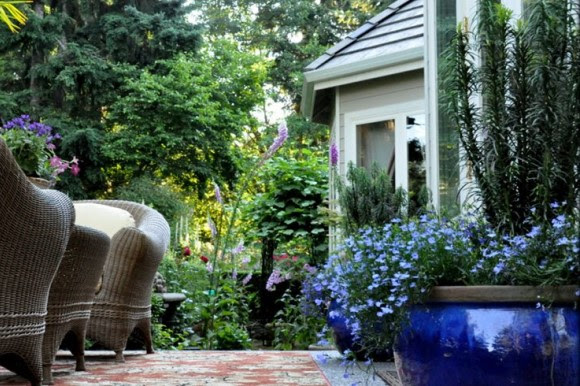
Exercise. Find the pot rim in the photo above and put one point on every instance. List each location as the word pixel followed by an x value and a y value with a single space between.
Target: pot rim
pixel 504 294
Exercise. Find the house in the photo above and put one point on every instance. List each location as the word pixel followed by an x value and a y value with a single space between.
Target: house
pixel 378 91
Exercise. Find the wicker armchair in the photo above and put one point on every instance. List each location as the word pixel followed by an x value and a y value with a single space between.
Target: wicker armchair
pixel 124 301
pixel 72 294
pixel 34 230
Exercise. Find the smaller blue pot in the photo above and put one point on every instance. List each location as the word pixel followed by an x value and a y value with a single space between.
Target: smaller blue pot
pixel 344 340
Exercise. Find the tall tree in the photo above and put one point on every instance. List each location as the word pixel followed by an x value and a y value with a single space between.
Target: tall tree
pixel 290 32
pixel 70 62
pixel 179 122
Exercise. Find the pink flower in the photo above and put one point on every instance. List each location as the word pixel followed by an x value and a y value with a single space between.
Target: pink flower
pixel 75 169
pixel 56 162
pixel 186 251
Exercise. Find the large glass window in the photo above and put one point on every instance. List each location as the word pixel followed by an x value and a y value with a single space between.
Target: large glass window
pixel 376 143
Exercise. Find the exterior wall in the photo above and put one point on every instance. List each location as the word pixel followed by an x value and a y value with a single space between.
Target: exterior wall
pixel 376 94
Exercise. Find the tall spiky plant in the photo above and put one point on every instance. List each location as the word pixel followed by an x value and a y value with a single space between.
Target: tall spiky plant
pixel 369 198
pixel 513 91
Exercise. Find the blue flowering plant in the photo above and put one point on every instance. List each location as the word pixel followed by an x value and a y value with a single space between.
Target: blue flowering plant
pixel 377 274
pixel 33 146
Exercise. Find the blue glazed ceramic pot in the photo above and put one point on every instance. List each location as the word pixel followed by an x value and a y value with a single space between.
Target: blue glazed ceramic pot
pixel 504 340
pixel 343 338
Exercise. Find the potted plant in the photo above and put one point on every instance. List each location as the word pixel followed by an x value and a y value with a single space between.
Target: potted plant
pixel 33 146
pixel 387 281
pixel 490 297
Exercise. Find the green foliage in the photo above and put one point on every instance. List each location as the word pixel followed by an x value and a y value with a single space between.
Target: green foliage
pixel 78 55
pixel 210 317
pixel 292 32
pixel 368 198
pixel 288 209
pixel 154 194
pixel 28 149
pixel 225 318
pixel 295 329
pixel 178 122
pixel 522 143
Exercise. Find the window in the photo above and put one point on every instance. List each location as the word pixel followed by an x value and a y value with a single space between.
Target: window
pixel 376 143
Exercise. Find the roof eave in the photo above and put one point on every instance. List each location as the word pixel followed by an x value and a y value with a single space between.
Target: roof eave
pixel 311 78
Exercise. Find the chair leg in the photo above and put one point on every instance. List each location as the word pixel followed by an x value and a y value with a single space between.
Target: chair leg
pixel 119 356
pixel 80 363
pixel 46 375
pixel 78 349
pixel 145 327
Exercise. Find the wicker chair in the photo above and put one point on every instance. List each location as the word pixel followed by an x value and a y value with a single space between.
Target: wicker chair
pixel 72 294
pixel 34 230
pixel 124 301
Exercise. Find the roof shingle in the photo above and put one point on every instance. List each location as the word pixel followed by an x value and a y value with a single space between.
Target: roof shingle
pixel 397 28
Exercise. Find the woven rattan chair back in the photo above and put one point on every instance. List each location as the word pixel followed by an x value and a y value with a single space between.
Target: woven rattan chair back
pixel 35 227
pixel 124 301
pixel 72 294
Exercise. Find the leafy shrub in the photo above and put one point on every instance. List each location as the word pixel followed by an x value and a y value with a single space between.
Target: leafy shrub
pixel 295 325
pixel 152 193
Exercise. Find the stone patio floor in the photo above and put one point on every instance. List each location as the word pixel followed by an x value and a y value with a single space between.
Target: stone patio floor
pixel 193 368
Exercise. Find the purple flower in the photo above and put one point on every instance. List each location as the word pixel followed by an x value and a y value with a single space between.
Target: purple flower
pixel 237 250
pixel 333 154
pixel 278 141
pixel 310 269
pixel 275 278
pixel 499 267
pixel 247 279
pixel 322 358
pixel 212 227
pixel 218 194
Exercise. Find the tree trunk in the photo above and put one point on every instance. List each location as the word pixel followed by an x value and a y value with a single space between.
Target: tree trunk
pixel 266 299
pixel 36 58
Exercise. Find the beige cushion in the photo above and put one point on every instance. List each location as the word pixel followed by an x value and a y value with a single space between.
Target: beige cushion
pixel 103 217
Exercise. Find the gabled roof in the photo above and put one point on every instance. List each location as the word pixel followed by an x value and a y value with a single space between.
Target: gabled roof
pixel 389 43
pixel 397 28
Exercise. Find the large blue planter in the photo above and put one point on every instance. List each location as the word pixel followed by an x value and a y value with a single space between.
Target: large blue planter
pixel 504 339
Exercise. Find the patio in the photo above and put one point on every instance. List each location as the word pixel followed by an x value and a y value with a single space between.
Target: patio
pixel 209 368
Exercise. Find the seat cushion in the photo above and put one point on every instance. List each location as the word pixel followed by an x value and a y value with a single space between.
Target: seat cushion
pixel 103 217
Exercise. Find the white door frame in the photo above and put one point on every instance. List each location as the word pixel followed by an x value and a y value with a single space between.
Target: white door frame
pixel 399 113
